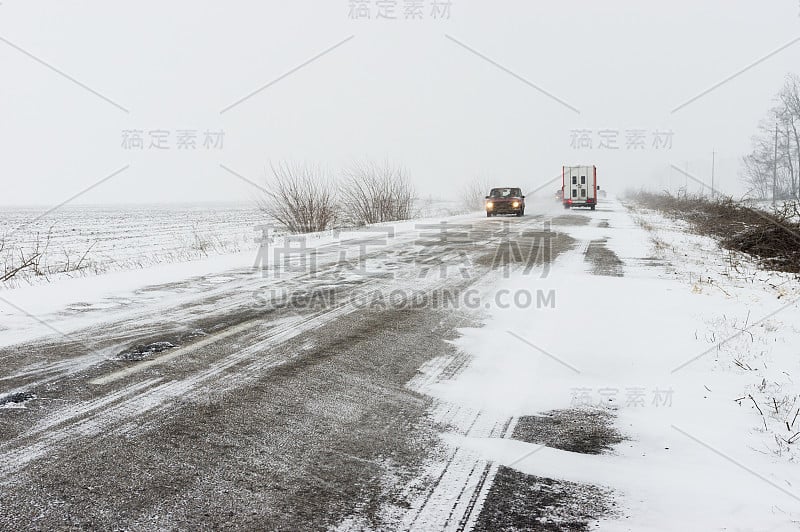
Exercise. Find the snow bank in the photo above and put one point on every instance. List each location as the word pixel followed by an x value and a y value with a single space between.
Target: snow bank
pixel 659 347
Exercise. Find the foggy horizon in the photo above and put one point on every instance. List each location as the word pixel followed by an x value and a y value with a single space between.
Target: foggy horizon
pixel 456 92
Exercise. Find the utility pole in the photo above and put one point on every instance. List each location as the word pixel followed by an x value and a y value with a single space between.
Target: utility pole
pixel 669 176
pixel 713 164
pixel 775 167
pixel 789 157
pixel 686 178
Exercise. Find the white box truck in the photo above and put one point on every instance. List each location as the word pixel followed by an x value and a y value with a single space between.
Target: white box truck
pixel 579 186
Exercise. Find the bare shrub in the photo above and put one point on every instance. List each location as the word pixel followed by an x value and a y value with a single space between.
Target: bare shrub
pixel 473 194
pixel 38 258
pixel 375 193
pixel 30 262
pixel 300 197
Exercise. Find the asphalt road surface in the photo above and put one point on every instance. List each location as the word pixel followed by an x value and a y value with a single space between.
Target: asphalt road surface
pixel 286 402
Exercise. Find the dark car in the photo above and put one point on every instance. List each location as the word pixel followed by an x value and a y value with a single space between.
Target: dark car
pixel 506 200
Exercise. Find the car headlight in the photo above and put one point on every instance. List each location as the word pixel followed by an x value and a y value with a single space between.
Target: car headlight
pixel 489 204
pixel 515 204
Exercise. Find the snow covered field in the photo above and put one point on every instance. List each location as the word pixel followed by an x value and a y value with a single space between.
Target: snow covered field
pixel 86 240
pixel 76 241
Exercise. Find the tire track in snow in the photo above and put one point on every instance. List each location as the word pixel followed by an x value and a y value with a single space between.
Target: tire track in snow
pixel 119 408
pixel 58 427
pixel 458 486
pixel 93 418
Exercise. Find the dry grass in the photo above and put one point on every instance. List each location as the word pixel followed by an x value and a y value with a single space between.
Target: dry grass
pixel 306 199
pixel 374 193
pixel 39 259
pixel 301 197
pixel 473 194
pixel 773 238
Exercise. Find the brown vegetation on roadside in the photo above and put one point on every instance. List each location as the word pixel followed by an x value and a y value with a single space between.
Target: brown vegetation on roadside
pixel 773 238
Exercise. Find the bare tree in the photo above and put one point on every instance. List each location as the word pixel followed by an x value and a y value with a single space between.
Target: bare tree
pixel 767 167
pixel 757 174
pixel 374 193
pixel 790 97
pixel 300 197
pixel 473 194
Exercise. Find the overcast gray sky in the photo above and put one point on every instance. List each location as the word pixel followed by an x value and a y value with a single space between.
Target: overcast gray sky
pixel 499 89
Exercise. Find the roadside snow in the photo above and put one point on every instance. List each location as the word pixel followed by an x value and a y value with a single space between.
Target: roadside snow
pixel 659 347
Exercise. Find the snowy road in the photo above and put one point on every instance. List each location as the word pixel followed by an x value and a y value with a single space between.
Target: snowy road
pixel 287 415
pixel 405 379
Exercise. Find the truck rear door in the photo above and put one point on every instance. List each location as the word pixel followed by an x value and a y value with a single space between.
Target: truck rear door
pixel 577 180
pixel 591 183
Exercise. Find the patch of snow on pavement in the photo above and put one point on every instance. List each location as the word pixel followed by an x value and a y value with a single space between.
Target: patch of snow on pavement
pixel 658 347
